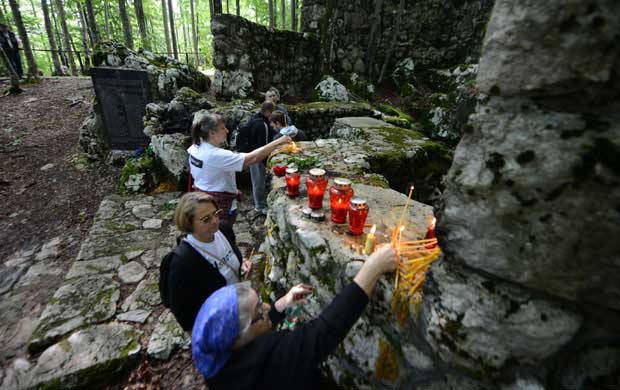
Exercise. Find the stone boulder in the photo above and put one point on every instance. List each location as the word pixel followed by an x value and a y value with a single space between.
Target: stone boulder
pixel 175 116
pixel 171 152
pixel 330 90
pixel 317 118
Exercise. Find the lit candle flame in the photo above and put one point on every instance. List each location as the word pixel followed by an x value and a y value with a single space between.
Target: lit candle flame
pixel 431 222
pixel 373 229
pixel 402 228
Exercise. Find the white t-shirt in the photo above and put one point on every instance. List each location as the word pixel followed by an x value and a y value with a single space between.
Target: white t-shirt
pixel 221 248
pixel 213 168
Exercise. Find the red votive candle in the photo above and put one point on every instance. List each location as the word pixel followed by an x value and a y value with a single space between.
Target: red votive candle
pixel 339 196
pixel 292 182
pixel 430 231
pixel 316 184
pixel 358 211
pixel 279 170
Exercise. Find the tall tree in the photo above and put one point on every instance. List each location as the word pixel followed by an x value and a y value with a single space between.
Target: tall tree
pixel 61 53
pixel 217 7
pixel 92 22
pixel 84 31
pixel 293 15
pixel 283 12
pixel 227 6
pixel 106 18
pixel 65 35
pixel 166 32
pixel 194 35
pixel 126 25
pixel 17 18
pixel 238 8
pixel 141 23
pixel 173 33
pixel 271 15
pixel 50 38
pixel 34 11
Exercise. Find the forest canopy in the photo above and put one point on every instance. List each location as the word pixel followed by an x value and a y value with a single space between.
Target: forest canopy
pixel 61 34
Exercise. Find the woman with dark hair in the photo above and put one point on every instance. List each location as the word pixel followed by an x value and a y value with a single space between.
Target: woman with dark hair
pixel 213 167
pixel 234 348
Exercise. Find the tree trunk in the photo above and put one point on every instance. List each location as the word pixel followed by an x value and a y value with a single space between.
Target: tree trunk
pixel 14 89
pixel 106 16
pixel 217 6
pixel 126 25
pixel 173 33
pixel 33 72
pixel 293 15
pixel 77 54
pixel 271 16
pixel 142 24
pixel 166 32
pixel 66 37
pixel 61 52
pixel 92 22
pixel 84 31
pixel 399 16
pixel 227 6
pixel 84 24
pixel 2 17
pixel 194 35
pixel 34 11
pixel 283 12
pixel 50 37
pixel 238 8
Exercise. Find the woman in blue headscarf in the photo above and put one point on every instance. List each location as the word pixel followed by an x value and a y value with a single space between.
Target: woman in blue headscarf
pixel 233 347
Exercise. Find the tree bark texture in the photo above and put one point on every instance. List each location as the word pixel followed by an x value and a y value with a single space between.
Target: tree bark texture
pixel 227 6
pixel 293 15
pixel 106 16
pixel 122 10
pixel 84 31
pixel 271 15
pixel 50 38
pixel 173 33
pixel 283 13
pixel 164 12
pixel 238 8
pixel 194 35
pixel 61 53
pixel 92 22
pixel 17 18
pixel 142 24
pixel 217 6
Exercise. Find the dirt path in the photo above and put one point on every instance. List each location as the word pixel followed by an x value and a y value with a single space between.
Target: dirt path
pixel 43 195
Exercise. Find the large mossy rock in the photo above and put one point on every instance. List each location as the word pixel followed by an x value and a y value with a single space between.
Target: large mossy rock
pixel 404 156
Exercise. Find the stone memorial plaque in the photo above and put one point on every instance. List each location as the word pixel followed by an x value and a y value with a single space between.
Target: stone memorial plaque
pixel 123 95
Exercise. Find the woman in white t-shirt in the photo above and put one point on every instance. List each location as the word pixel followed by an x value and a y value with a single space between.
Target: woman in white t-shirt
pixel 213 168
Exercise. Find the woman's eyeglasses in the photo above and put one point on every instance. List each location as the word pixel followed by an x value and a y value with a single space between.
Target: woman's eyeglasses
pixel 260 312
pixel 209 218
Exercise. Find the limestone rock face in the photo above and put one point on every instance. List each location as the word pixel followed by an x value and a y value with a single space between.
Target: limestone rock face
pixel 167 336
pixel 86 357
pixel 584 53
pixel 171 150
pixel 480 323
pixel 316 119
pixel 249 58
pixel 548 173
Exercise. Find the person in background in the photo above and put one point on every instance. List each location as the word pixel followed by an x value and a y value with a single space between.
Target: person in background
pixel 10 44
pixel 233 347
pixel 257 134
pixel 213 167
pixel 273 95
pixel 278 123
pixel 206 260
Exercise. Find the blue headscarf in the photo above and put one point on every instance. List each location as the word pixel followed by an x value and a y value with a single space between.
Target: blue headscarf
pixel 215 330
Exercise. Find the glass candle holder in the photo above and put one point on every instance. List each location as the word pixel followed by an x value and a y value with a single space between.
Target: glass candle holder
pixel 316 183
pixel 292 182
pixel 430 231
pixel 339 196
pixel 358 211
pixel 279 170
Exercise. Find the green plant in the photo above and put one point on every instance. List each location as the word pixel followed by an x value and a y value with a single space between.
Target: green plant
pixel 303 163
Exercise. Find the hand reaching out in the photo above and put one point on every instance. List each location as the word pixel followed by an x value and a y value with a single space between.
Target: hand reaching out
pixel 296 296
pixel 246 267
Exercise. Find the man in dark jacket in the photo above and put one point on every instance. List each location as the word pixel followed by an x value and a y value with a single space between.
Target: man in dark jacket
pixel 10 44
pixel 256 134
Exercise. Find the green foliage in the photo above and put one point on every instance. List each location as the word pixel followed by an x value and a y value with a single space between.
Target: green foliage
pixel 303 163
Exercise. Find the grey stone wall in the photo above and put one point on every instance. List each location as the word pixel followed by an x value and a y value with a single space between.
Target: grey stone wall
pixel 433 33
pixel 249 58
pixel 531 204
